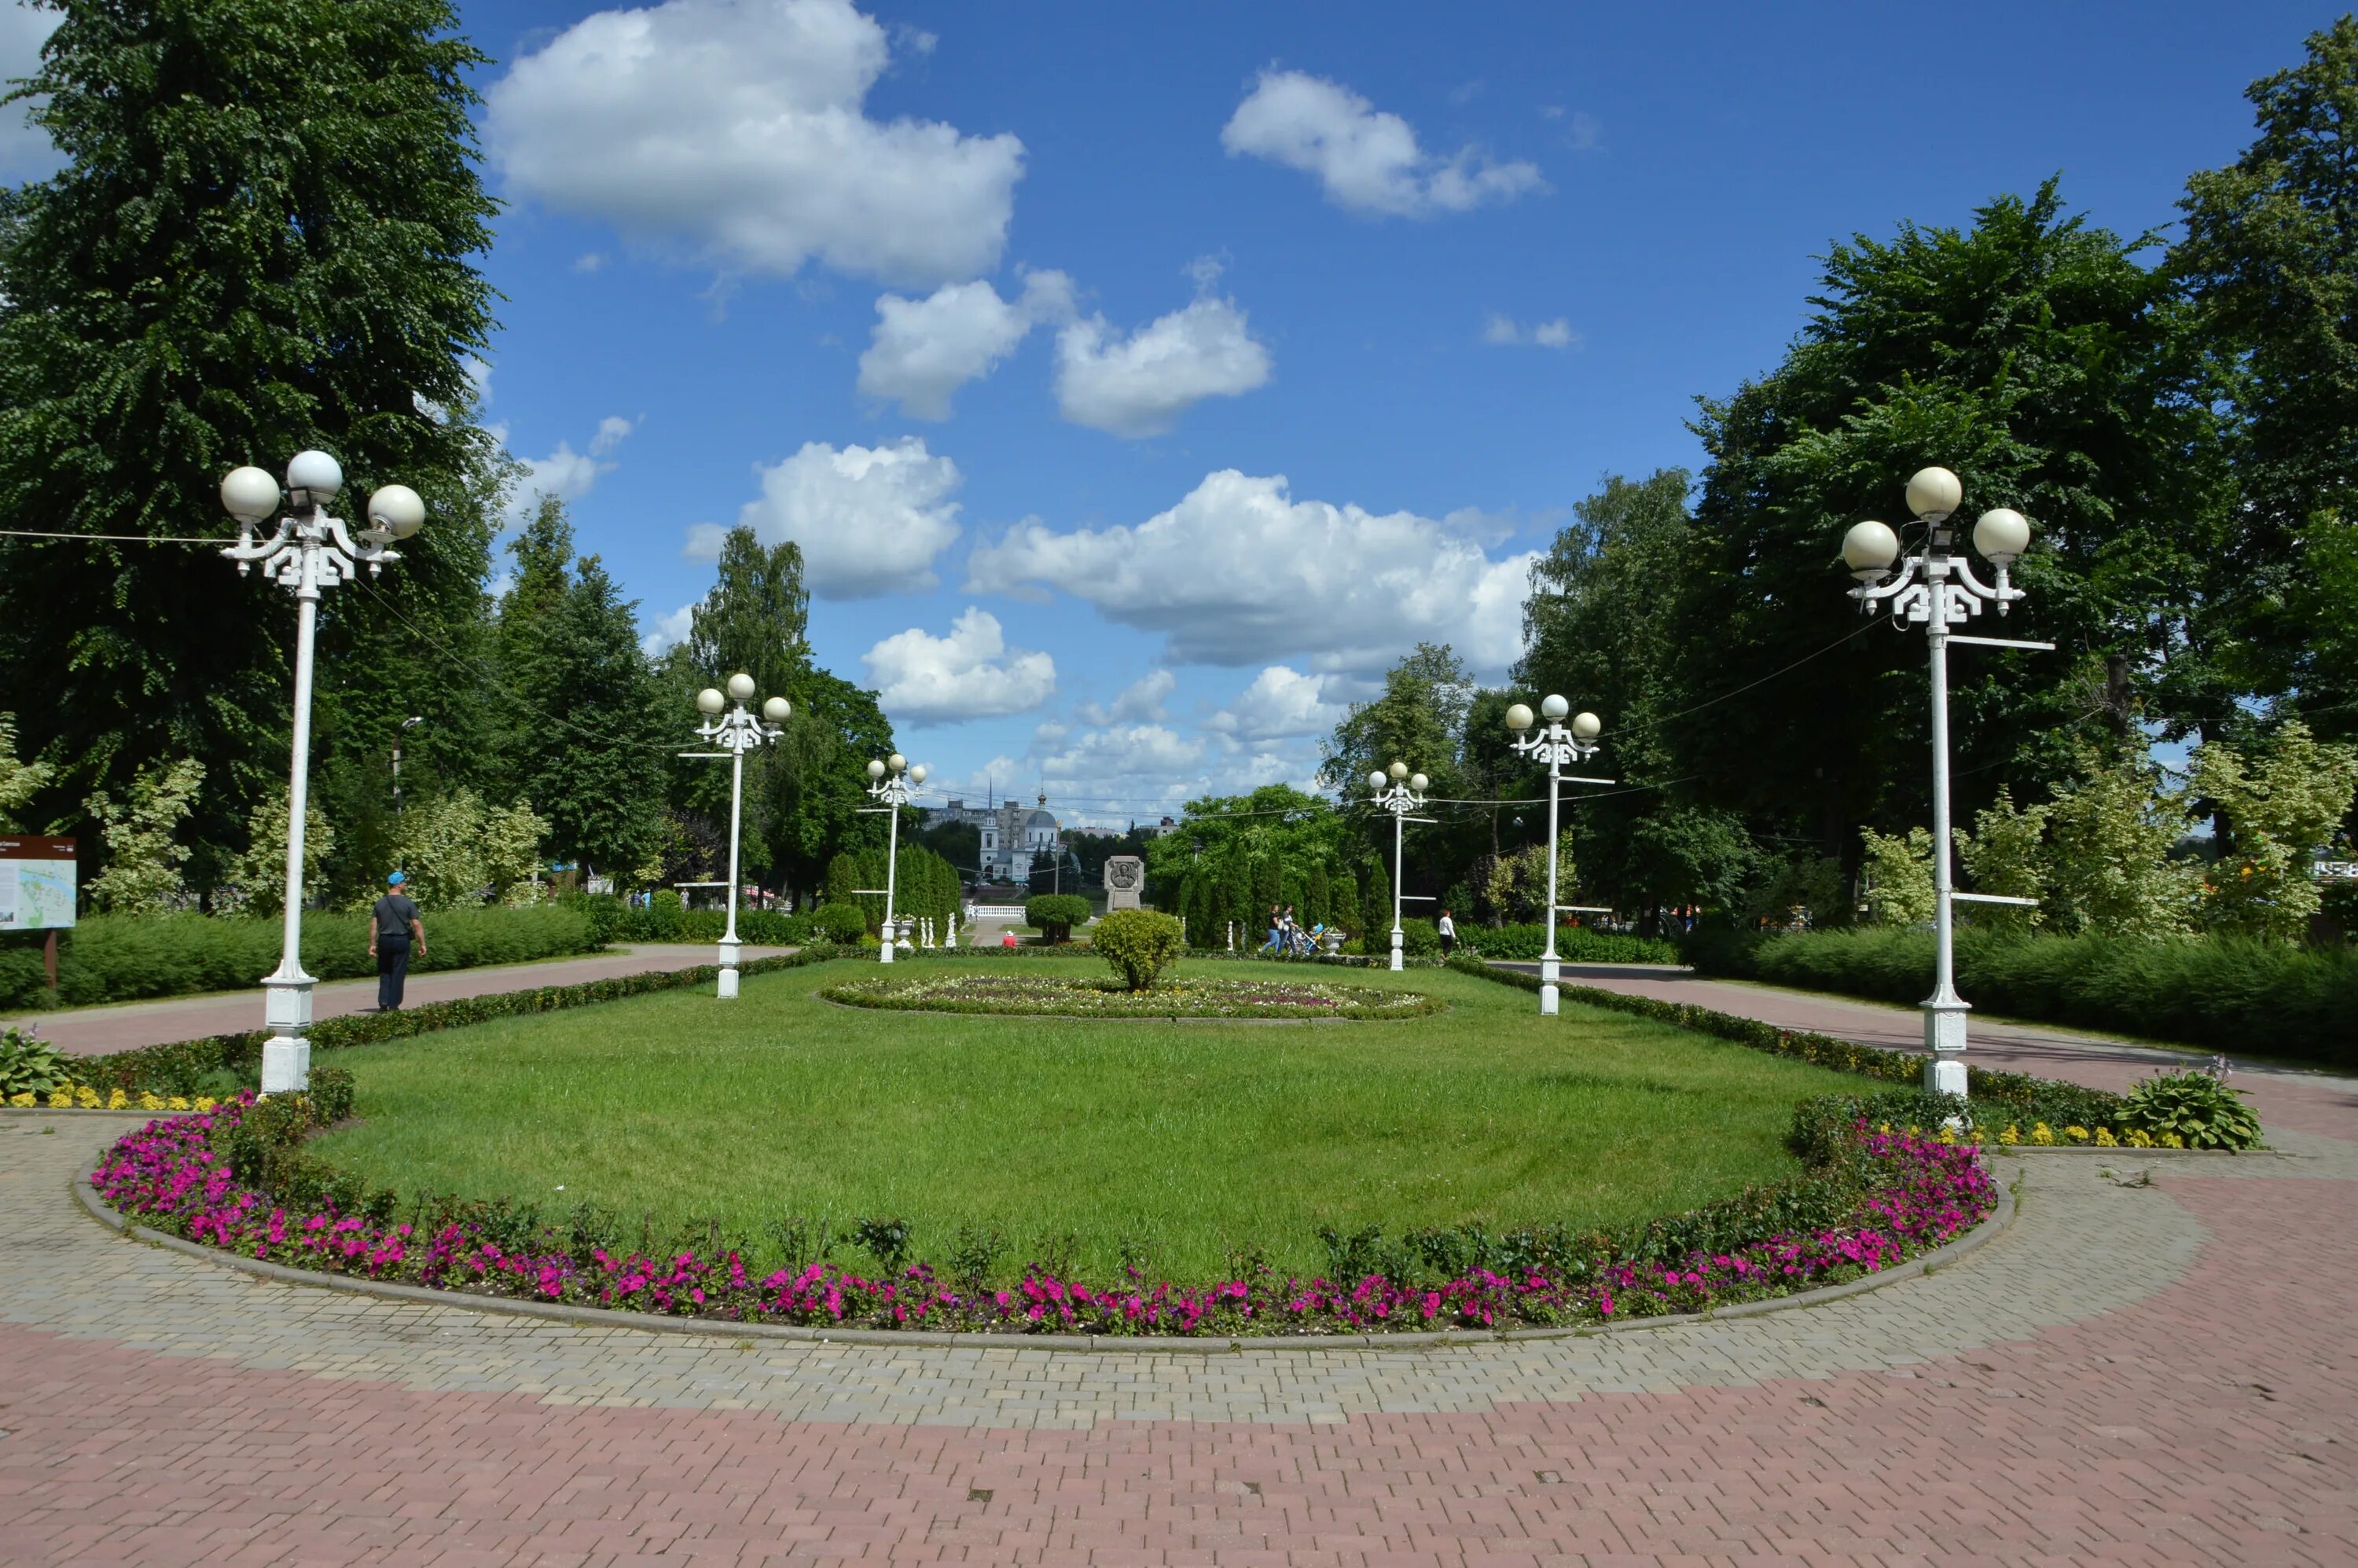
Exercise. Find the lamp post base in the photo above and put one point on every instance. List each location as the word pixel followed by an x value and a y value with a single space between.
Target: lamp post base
pixel 286 1013
pixel 1551 998
pixel 884 951
pixel 1397 962
pixel 1944 1037
pixel 728 951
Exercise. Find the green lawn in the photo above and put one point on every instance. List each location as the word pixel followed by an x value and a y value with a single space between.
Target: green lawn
pixel 1173 1143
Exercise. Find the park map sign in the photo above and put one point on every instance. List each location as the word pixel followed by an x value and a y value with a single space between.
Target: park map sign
pixel 37 883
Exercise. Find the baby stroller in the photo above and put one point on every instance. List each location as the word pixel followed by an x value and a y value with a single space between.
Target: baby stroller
pixel 1304 943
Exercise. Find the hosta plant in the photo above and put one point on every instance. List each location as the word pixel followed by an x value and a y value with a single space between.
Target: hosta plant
pixel 29 1064
pixel 2198 1107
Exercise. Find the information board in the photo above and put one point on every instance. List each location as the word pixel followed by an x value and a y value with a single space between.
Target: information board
pixel 37 883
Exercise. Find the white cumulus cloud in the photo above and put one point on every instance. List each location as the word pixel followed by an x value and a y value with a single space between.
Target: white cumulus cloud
pixel 924 350
pixel 1508 332
pixel 1240 572
pixel 971 674
pixel 1281 703
pixel 564 473
pixel 870 520
pixel 667 631
pixel 1140 384
pixel 737 129
pixel 1367 159
pixel 1110 756
pixel 1141 699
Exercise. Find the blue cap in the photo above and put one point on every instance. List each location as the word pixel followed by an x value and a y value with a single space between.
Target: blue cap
pixel 395 880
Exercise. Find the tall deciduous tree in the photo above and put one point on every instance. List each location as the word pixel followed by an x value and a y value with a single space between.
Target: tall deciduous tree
pixel 2039 359
pixel 262 240
pixel 2270 257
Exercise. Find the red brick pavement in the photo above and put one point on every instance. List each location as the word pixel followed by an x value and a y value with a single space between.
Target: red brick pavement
pixel 2213 1424
pixel 2216 1421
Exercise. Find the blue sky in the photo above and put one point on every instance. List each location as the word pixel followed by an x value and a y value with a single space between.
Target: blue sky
pixel 1142 383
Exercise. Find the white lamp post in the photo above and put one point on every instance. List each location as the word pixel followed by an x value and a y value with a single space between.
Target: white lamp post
pixel 889 781
pixel 1404 795
pixel 736 732
pixel 1937 589
pixel 309 553
pixel 1559 746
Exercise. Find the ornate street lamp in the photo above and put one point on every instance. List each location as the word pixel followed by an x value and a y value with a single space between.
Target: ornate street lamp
pixel 1559 746
pixel 889 781
pixel 1405 794
pixel 736 732
pixel 1937 589
pixel 309 553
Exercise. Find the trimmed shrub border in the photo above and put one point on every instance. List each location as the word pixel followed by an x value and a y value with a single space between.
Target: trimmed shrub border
pixel 178 1066
pixel 2020 1092
pixel 1991 1226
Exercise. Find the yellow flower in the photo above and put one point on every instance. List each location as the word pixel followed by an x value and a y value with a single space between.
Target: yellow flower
pixel 86 1096
pixel 148 1101
pixel 1948 1134
pixel 206 1102
pixel 2140 1139
pixel 2172 1141
pixel 2105 1138
pixel 61 1100
pixel 177 1102
pixel 118 1101
pixel 25 1098
pixel 2011 1136
pixel 2040 1135
pixel 2076 1134
pixel 1885 1129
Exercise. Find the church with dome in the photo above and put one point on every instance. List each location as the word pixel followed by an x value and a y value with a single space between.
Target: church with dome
pixel 1015 837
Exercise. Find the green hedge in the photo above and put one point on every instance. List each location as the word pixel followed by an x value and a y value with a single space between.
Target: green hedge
pixel 2032 1098
pixel 126 957
pixel 1574 944
pixel 667 921
pixel 183 1065
pixel 2217 993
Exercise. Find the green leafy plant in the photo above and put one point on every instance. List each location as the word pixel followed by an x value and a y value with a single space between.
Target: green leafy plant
pixel 1138 944
pixel 2198 1107
pixel 842 923
pixel 29 1064
pixel 1055 915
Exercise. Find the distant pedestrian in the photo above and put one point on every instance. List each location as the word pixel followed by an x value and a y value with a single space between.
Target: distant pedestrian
pixel 1448 933
pixel 393 926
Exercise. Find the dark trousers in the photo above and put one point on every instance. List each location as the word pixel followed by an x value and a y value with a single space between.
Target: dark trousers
pixel 392 970
pixel 1448 943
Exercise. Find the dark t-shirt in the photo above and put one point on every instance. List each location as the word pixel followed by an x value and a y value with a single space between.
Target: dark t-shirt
pixel 394 912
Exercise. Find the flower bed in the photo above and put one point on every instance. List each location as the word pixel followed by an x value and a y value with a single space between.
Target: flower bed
pixel 1883 1197
pixel 1032 995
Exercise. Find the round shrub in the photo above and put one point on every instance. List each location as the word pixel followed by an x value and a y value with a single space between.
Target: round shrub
pixel 1055 915
pixel 843 923
pixel 1138 944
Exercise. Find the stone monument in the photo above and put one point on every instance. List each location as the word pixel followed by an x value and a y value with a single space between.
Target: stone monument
pixel 1125 882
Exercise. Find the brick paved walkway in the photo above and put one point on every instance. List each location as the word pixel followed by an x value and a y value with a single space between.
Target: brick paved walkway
pixel 89 1031
pixel 2133 1374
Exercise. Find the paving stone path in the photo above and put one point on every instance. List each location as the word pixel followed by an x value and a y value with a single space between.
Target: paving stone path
pixel 2157 1364
pixel 89 1031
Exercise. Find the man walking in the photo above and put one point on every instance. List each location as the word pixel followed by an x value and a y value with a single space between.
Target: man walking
pixel 391 926
pixel 1448 934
